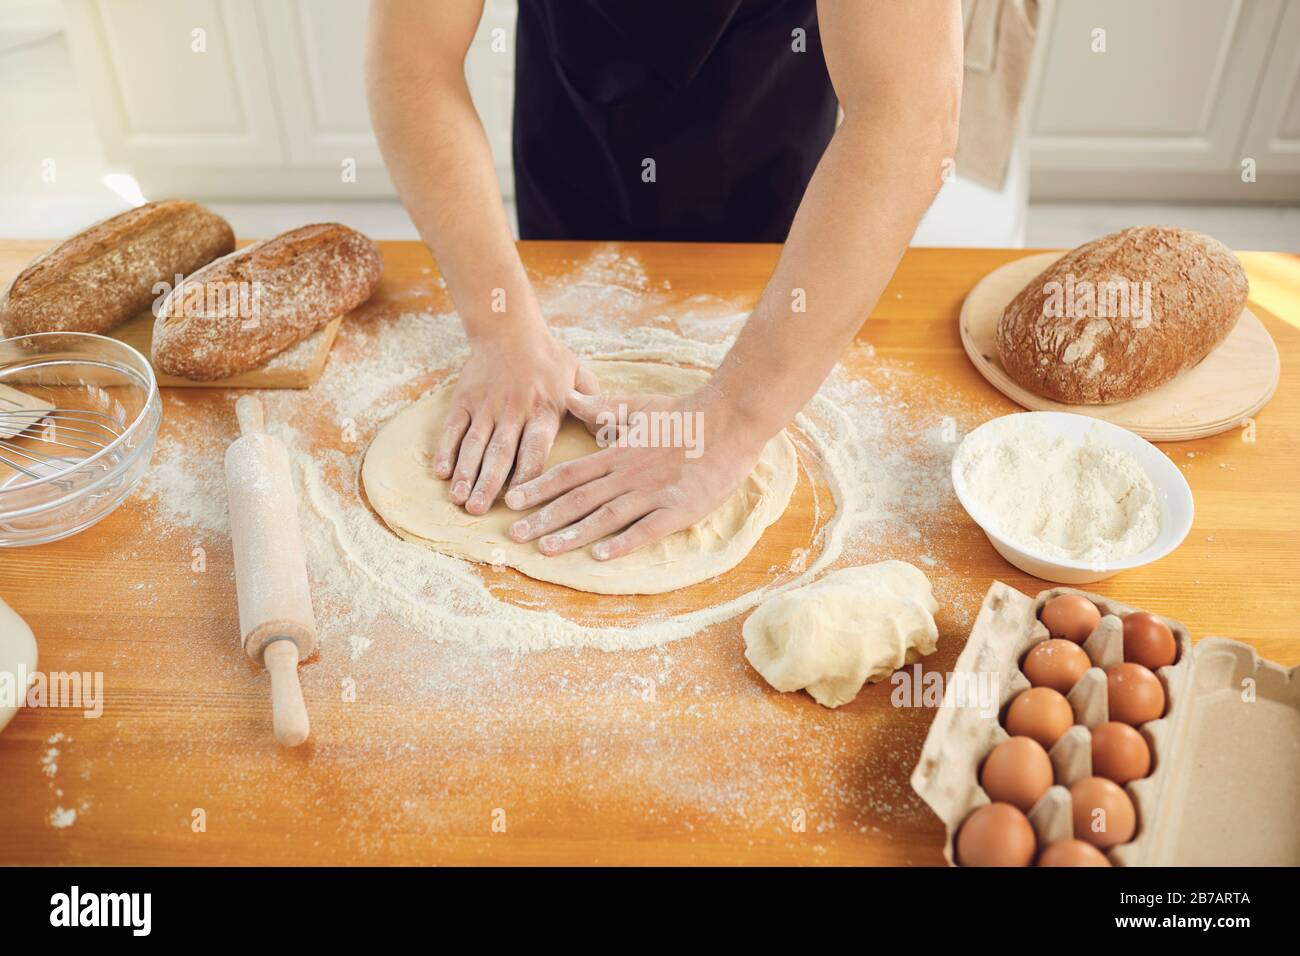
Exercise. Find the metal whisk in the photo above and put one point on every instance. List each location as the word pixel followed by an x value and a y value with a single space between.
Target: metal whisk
pixel 37 441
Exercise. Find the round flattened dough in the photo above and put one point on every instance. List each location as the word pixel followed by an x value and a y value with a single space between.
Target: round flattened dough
pixel 398 478
pixel 17 661
pixel 851 627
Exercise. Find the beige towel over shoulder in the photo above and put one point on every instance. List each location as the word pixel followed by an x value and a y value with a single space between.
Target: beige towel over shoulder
pixel 999 48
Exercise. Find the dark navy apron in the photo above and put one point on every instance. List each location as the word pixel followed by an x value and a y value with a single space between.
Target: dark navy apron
pixel 711 92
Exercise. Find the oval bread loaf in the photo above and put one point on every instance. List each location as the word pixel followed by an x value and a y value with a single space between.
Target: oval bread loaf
pixel 111 271
pixel 235 314
pixel 1121 315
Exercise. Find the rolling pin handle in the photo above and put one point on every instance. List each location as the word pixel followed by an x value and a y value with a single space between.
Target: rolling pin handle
pixel 288 711
pixel 249 412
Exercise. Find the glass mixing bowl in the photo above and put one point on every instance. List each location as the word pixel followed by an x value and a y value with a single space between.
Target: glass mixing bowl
pixel 77 439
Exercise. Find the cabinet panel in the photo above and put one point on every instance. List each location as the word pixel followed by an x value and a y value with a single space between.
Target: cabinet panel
pixel 1179 62
pixel 175 81
pixel 1273 140
pixel 1172 91
pixel 317 51
pixel 317 60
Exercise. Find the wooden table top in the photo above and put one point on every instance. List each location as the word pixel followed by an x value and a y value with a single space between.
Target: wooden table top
pixel 444 754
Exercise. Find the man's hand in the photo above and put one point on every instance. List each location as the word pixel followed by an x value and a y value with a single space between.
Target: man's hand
pixel 510 397
pixel 505 411
pixel 639 494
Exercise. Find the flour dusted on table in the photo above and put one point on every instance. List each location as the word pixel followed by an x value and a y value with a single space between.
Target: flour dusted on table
pixel 875 463
pixel 439 641
pixel 1080 502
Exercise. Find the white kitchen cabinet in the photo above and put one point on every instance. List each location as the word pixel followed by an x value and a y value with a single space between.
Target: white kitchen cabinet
pixel 1273 139
pixel 274 107
pixel 1163 99
pixel 175 83
pixel 316 53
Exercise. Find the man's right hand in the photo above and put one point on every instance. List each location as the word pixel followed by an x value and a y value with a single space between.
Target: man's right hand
pixel 506 410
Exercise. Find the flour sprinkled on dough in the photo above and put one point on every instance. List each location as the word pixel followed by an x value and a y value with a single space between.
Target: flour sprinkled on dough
pixel 865 474
pixel 415 503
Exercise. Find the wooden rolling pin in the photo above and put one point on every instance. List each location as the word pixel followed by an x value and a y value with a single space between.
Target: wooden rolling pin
pixel 275 615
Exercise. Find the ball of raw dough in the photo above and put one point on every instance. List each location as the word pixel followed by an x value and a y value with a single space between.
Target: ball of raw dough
pixel 851 627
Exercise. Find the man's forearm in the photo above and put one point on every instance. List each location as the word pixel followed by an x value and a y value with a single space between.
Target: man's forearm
pixel 439 159
pixel 896 66
pixel 874 183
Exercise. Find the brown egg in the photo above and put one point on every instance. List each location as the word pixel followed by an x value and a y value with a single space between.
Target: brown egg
pixel 1103 813
pixel 1134 693
pixel 1055 663
pixel 1119 753
pixel 1148 641
pixel 1070 616
pixel 1017 772
pixel 1041 713
pixel 996 835
pixel 1073 853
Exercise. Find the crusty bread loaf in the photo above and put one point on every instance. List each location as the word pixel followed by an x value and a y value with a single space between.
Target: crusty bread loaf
pixel 110 272
pixel 235 314
pixel 1121 315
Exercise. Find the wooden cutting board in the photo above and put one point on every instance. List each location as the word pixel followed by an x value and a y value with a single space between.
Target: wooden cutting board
pixel 298 366
pixel 1228 386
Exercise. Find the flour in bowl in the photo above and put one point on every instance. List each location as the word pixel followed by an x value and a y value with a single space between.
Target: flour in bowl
pixel 1059 498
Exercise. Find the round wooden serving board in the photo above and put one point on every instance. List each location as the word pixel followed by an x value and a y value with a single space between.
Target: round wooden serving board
pixel 1229 385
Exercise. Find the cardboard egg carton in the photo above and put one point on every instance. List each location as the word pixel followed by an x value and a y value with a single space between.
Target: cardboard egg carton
pixel 1225 776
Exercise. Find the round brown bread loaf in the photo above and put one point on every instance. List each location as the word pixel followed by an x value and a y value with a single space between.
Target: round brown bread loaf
pixel 1121 315
pixel 113 270
pixel 235 314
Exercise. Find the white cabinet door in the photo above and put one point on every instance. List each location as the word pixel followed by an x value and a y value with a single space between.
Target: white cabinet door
pixel 317 62
pixel 1150 99
pixel 317 50
pixel 1273 140
pixel 258 98
pixel 1167 92
pixel 176 82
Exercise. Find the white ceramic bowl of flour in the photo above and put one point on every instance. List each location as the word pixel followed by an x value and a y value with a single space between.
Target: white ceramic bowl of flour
pixel 1071 499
